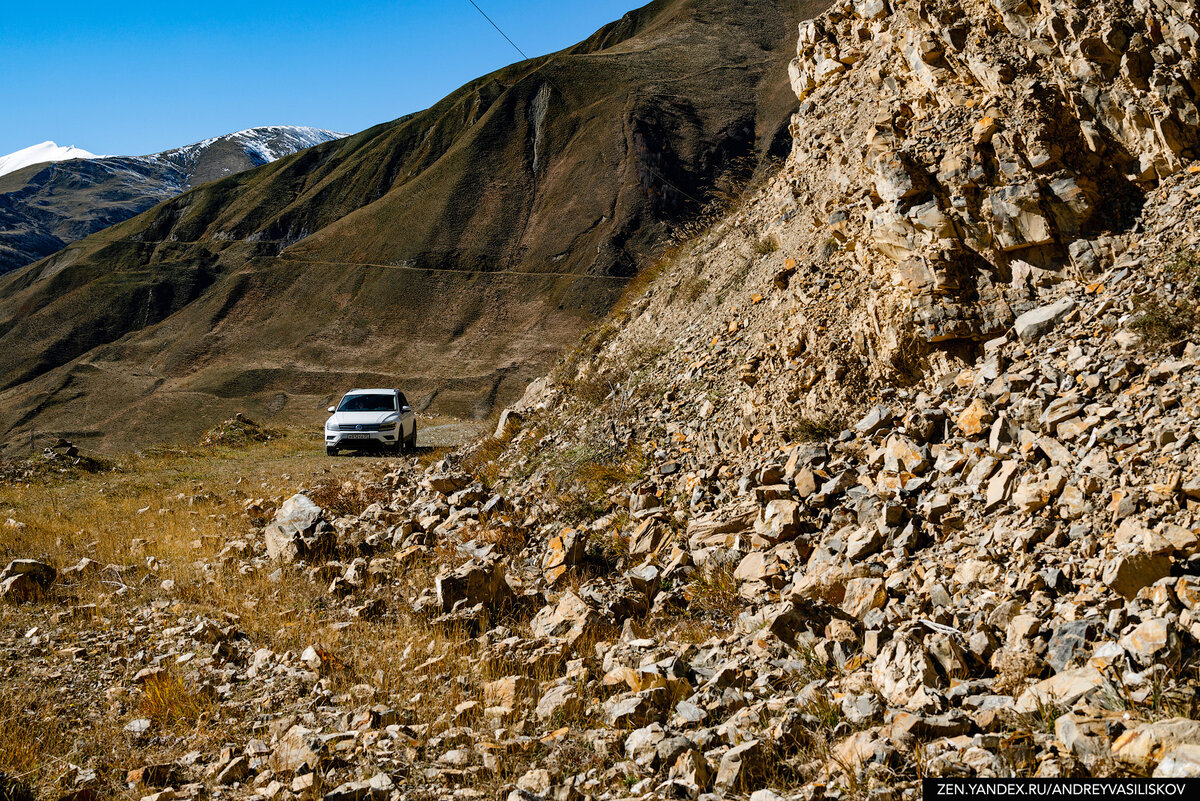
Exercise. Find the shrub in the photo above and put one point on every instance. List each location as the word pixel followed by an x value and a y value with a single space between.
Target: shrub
pixel 694 289
pixel 813 430
pixel 1164 322
pixel 766 245
pixel 1186 269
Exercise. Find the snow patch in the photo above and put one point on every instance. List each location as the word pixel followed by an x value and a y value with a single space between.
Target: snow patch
pixel 41 154
pixel 263 145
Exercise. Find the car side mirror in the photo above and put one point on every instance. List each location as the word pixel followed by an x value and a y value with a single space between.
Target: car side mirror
pixel 331 410
pixel 406 408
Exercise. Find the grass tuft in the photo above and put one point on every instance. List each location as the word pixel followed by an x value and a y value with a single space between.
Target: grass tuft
pixel 167 701
pixel 1164 322
pixel 714 593
pixel 808 429
pixel 766 245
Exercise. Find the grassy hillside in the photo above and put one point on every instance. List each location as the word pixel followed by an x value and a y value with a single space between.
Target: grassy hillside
pixel 456 251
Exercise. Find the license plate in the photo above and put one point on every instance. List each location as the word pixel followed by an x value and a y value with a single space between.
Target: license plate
pixel 356 436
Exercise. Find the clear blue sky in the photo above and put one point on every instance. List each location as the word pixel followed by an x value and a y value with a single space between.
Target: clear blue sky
pixel 130 78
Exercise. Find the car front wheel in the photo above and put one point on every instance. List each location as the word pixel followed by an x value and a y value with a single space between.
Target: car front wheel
pixel 331 451
pixel 411 442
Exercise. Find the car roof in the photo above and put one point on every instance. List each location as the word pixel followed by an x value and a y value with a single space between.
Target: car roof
pixel 372 391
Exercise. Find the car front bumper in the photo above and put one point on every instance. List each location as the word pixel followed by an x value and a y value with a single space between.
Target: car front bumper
pixel 361 439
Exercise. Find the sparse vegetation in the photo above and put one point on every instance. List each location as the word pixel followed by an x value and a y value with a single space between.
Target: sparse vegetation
pixel 167 701
pixel 1186 269
pixel 808 429
pixel 713 594
pixel 582 477
pixel 346 497
pixel 1164 322
pixel 765 245
pixel 1165 319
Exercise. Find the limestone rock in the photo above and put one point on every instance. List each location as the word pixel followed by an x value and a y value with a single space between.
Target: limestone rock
pixel 901 669
pixel 740 766
pixel 473 584
pixel 1033 324
pixel 1128 574
pixel 299 532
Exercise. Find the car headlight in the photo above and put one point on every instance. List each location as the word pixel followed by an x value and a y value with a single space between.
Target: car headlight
pixel 329 425
pixel 390 422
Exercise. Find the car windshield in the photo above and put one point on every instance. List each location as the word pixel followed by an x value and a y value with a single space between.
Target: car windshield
pixel 368 403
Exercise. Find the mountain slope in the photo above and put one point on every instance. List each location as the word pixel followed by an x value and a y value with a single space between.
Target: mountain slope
pixel 46 202
pixel 455 251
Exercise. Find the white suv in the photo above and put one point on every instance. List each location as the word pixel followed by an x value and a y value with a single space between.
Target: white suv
pixel 371 418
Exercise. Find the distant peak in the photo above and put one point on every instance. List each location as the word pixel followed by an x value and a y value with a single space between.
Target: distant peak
pixel 41 153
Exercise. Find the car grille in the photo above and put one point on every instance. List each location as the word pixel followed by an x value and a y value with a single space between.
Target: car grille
pixel 362 427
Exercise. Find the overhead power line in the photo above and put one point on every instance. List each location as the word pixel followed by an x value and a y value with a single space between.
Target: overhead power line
pixel 497 27
pixel 550 80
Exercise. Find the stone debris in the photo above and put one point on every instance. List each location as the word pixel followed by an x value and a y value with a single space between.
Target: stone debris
pixel 916 495
pixel 299 532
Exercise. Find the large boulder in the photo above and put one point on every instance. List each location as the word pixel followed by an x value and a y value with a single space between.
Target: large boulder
pixel 1127 574
pixel 473 584
pixel 742 766
pixel 569 618
pixel 298 747
pixel 1033 324
pixel 299 532
pixel 901 669
pixel 26 580
pixel 1147 744
pixel 563 552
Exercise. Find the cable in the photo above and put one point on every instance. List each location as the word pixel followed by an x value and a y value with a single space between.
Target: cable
pixel 497 27
pixel 549 80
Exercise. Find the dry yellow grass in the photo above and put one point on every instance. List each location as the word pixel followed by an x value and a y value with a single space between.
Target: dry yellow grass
pixel 158 514
pixel 163 515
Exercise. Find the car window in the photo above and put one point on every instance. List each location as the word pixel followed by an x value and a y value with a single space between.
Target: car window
pixel 368 403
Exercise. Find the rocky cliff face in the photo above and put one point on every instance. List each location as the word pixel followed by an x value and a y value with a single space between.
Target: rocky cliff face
pixel 981 142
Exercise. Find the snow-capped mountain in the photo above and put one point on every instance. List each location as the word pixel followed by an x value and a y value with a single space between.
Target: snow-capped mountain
pixel 38 154
pixel 267 143
pixel 224 155
pixel 47 202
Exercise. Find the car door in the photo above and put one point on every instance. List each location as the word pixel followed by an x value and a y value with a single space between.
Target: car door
pixel 408 418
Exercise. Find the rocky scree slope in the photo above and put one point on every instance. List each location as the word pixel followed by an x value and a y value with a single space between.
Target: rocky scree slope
pixel 45 207
pixel 456 251
pixel 660 593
